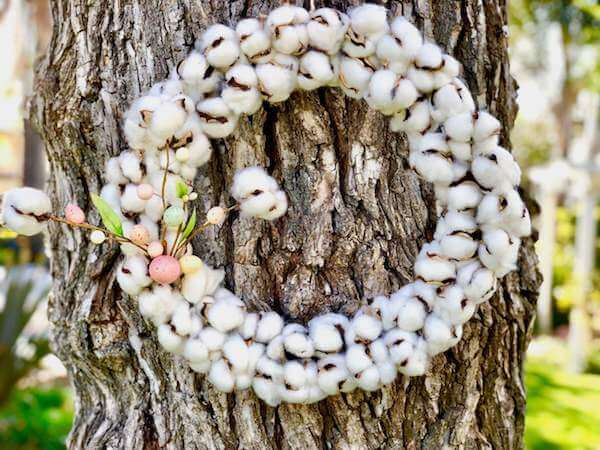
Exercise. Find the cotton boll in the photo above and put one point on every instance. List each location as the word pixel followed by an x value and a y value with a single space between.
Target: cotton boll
pixel 237 354
pixel 255 41
pixel 440 335
pixel 355 75
pixel 197 285
pixel 411 314
pixel 461 151
pixel 357 358
pixel 241 93
pixel 499 251
pixel 269 326
pixel 247 329
pixel 368 379
pixel 154 209
pixel 220 46
pixel 275 349
pixel 130 201
pixel 191 137
pixel 258 204
pixel 423 79
pixel 433 165
pixel 400 345
pixel 195 351
pixel 288 29
pixel 460 127
pixel 452 99
pixel 197 76
pixel 130 165
pixel 358 45
pixel 327 331
pixel 226 315
pixel 168 118
pixel 409 38
pixel 137 123
pixel 132 275
pixel 252 181
pixel 453 306
pixel 299 344
pixel 418 362
pixel 496 170
pixel 414 120
pixel 169 339
pixel 221 377
pixel 278 209
pixel 431 266
pixel 277 78
pixel 315 70
pixel 332 373
pixel 388 94
pixel 485 126
pixel 217 120
pixel 369 20
pixel 464 196
pixel 23 210
pixel 385 312
pixel 478 283
pixel 429 57
pixel 113 173
pixel 182 319
pixel 505 211
pixel 266 381
pixel 213 339
pixel 326 29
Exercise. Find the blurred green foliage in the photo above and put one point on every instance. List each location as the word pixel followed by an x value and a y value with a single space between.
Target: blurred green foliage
pixel 36 419
pixel 562 409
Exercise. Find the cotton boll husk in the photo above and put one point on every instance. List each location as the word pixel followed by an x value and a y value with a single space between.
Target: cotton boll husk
pixel 485 126
pixel 23 208
pixel 416 119
pixel 220 46
pixel 252 181
pixel 464 196
pixel 354 76
pixel 169 340
pixel 255 41
pixel 113 173
pixel 217 120
pixel 315 70
pixel 132 275
pixel 332 373
pixel 326 29
pixel 357 358
pixel 197 285
pixel 453 307
pixel 269 326
pixel 440 335
pixel 431 266
pixel 369 20
pixel 195 351
pixel 408 36
pixel 197 76
pixel 460 127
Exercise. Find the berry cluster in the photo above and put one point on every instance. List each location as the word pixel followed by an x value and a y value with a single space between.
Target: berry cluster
pixel 146 205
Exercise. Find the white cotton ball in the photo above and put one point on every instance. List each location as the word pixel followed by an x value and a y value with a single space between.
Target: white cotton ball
pixel 169 339
pixel 478 283
pixel 461 151
pixel 299 344
pixel 269 326
pixel 400 345
pixel 255 41
pixel 252 181
pixel 191 137
pixel 182 319
pixel 111 194
pixel 506 211
pixel 278 209
pixel 388 93
pixel 423 79
pixel 294 374
pixel 496 170
pixel 485 126
pixel 440 335
pixel 327 331
pixel 458 245
pixel 258 204
pixel 201 367
pixel 132 275
pixel 385 311
pixel 464 196
pixel 316 70
pixel 197 75
pixel 408 37
pixel 130 200
pixel 368 379
pixel 433 165
pixel 453 307
pixel 369 20
pixel 23 210
pixel 288 29
pixel 275 349
pixel 411 313
pixel 212 339
pixel 237 353
pixel 269 375
pixel 429 57
pixel 217 120
pixel 358 45
pixel 387 373
pixel 432 266
pixel 113 173
pixel 221 377
pixel 227 314
pixel 499 251
pixel 277 78
pixel 460 127
pixel 247 329
pixel 363 328
pixel 418 362
pixel 451 67
pixel 357 358
pixel 241 93
pixel 168 118
pixel 378 351
pixel 195 351
pixel 220 46
pixel 204 281
pixel 332 373
pixel 154 209
pixel 355 75
pixel 326 29
pixel 414 120
pixel 137 123
pixel 452 99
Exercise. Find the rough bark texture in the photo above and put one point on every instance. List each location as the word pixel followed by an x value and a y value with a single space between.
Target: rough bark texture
pixel 357 218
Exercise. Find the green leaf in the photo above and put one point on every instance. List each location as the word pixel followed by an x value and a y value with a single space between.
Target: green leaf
pixel 182 189
pixel 110 219
pixel 190 225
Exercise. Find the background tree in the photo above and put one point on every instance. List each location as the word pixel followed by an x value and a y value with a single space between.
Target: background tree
pixel 356 220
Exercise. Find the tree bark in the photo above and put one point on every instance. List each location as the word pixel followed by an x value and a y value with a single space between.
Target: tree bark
pixel 357 218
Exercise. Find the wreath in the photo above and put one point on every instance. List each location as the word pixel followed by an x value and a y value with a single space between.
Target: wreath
pixel 146 205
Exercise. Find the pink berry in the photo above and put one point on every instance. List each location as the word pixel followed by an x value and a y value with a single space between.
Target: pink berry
pixel 165 269
pixel 74 213
pixel 139 234
pixel 145 191
pixel 155 249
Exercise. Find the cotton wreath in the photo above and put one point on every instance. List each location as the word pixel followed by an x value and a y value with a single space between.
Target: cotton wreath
pixel 146 204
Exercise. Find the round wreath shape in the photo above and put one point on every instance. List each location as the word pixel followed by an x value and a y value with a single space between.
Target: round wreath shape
pixel 146 204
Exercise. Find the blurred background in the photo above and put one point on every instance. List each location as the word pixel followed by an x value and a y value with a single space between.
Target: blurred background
pixel 555 58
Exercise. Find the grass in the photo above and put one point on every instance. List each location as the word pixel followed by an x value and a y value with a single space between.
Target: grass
pixel 563 409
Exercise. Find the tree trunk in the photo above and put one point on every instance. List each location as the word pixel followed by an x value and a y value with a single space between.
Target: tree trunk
pixel 357 217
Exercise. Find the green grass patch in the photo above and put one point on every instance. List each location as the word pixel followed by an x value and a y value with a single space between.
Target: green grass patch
pixel 563 409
